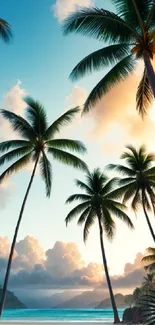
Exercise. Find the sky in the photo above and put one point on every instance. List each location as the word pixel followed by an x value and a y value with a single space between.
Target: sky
pixel 38 62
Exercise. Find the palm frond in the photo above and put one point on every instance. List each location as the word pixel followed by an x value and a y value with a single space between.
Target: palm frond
pixel 63 120
pixel 19 124
pixel 120 214
pixel 130 192
pixel 148 258
pixel 36 115
pixel 73 145
pixel 88 224
pixel 144 95
pixel 100 24
pixel 128 10
pixel 13 154
pixel 100 59
pixel 77 210
pixel 20 163
pixel 83 216
pixel 109 186
pixel 5 30
pixel 136 202
pixel 151 250
pixel 80 197
pixel 84 187
pixel 11 144
pixel 108 223
pixel 67 158
pixel 46 172
pixel 122 170
pixel 118 73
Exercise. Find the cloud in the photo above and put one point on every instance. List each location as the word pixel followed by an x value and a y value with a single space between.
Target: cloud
pixel 12 101
pixel 61 267
pixel 116 121
pixel 62 8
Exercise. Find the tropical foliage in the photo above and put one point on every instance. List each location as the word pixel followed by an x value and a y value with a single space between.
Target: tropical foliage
pixel 138 181
pixel 96 204
pixel 149 260
pixel 130 36
pixel 37 142
pixel 5 31
pixel 147 304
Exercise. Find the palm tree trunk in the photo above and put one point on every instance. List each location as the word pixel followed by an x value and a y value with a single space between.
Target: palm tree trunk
pixel 150 72
pixel 147 218
pixel 4 290
pixel 116 316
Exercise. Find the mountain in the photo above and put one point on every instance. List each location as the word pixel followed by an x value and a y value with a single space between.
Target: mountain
pixel 12 302
pixel 41 299
pixel 87 299
pixel 119 298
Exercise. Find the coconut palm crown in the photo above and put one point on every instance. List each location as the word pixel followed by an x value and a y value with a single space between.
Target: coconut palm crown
pixel 130 34
pixel 138 180
pixel 38 141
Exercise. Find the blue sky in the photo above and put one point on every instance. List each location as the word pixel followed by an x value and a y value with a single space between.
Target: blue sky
pixel 42 58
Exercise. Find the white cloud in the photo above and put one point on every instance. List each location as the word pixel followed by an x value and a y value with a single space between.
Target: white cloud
pixel 61 266
pixel 63 7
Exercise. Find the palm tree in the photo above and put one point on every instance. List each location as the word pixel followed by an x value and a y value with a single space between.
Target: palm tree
pixel 96 204
pixel 138 181
pixel 138 292
pixel 38 140
pixel 149 259
pixel 149 282
pixel 5 31
pixel 130 35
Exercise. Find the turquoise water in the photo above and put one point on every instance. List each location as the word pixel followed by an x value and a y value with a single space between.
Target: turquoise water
pixel 60 315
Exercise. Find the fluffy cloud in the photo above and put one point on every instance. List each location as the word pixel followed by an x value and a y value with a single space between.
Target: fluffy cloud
pixel 63 7
pixel 61 267
pixel 13 101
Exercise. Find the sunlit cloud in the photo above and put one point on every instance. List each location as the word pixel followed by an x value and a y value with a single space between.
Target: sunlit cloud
pixel 62 8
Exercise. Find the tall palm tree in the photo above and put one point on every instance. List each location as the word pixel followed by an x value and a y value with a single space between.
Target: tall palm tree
pixel 5 31
pixel 130 34
pixel 38 140
pixel 149 259
pixel 96 204
pixel 138 182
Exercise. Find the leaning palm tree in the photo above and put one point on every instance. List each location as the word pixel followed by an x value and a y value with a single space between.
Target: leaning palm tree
pixel 149 260
pixel 130 34
pixel 5 31
pixel 138 182
pixel 97 204
pixel 37 140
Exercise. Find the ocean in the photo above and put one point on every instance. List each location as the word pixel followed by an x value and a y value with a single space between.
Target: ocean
pixel 60 315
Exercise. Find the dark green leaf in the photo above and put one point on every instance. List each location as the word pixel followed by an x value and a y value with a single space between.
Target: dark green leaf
pixel 118 73
pixel 67 158
pixel 100 24
pixel 46 172
pixel 100 59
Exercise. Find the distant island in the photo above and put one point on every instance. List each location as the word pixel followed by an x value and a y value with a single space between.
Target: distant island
pixel 12 302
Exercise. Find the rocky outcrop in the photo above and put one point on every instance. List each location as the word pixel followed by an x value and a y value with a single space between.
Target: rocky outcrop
pixel 132 315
